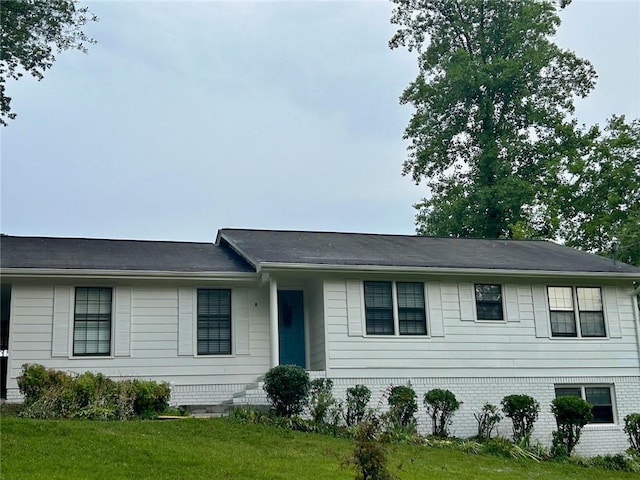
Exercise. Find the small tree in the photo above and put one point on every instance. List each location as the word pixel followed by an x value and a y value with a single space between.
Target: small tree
pixel 321 399
pixel 487 419
pixel 523 412
pixel 572 413
pixel 370 453
pixel 287 387
pixel 441 405
pixel 632 428
pixel 403 406
pixel 356 404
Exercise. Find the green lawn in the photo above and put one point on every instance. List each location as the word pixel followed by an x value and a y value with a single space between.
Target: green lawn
pixel 219 449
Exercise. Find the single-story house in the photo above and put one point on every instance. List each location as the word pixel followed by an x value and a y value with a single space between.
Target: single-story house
pixel 482 318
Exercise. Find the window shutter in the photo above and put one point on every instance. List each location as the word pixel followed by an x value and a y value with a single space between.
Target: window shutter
pixel 511 302
pixel 354 307
pixel 240 319
pixel 465 294
pixel 612 313
pixel 435 316
pixel 62 314
pixel 122 337
pixel 540 312
pixel 185 321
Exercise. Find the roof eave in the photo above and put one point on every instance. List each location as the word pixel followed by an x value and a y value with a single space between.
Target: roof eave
pixel 280 266
pixel 128 274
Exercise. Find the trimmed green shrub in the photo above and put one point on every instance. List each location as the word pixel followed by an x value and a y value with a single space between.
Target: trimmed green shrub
pixel 572 414
pixel 356 404
pixel 321 399
pixel 151 398
pixel 402 406
pixel 632 429
pixel 287 387
pixel 441 405
pixel 487 419
pixel 523 411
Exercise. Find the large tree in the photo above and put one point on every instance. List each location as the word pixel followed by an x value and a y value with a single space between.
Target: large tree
pixel 599 201
pixel 493 113
pixel 33 32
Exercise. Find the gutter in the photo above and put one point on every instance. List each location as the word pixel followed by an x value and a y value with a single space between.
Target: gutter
pixel 327 268
pixel 636 315
pixel 124 274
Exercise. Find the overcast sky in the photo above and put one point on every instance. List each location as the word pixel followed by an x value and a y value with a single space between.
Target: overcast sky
pixel 189 117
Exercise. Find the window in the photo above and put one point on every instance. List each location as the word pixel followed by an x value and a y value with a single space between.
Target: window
pixel 92 321
pixel 563 308
pixel 214 322
pixel 597 395
pixel 488 302
pixel 380 308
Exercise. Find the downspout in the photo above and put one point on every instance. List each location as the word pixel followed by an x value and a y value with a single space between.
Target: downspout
pixel 273 322
pixel 636 316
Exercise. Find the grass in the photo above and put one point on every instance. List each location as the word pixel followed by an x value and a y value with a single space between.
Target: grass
pixel 219 449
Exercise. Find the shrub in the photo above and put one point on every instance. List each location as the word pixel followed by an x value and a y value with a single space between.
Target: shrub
pixel 523 412
pixel 441 405
pixel 370 452
pixel 403 406
pixel 55 394
pixel 287 387
pixel 632 429
pixel 356 404
pixel 487 419
pixel 321 399
pixel 572 413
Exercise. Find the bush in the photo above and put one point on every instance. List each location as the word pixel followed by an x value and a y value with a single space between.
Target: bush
pixel 356 404
pixel 370 452
pixel 572 414
pixel 487 419
pixel 321 399
pixel 287 387
pixel 523 412
pixel 632 429
pixel 403 406
pixel 55 394
pixel 441 405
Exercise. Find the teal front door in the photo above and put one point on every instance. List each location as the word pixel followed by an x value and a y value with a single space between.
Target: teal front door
pixel 291 327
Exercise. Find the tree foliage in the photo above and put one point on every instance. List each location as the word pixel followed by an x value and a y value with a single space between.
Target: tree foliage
pixel 33 32
pixel 493 100
pixel 599 202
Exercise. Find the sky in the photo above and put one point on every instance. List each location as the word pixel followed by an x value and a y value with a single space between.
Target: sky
pixel 187 117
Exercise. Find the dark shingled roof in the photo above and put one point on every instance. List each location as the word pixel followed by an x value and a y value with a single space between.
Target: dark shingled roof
pixel 99 254
pixel 358 249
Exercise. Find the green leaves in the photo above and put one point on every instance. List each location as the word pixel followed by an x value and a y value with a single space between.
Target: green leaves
pixel 491 101
pixel 33 31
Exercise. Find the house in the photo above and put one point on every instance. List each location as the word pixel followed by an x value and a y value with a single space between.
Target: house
pixel 482 318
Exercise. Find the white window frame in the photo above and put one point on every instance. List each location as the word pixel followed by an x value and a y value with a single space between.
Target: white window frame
pixel 576 312
pixel 395 309
pixel 583 395
pixel 475 303
pixel 232 345
pixel 72 319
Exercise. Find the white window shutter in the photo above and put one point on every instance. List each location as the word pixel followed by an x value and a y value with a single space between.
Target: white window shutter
pixel 354 307
pixel 434 315
pixel 465 294
pixel 612 312
pixel 122 337
pixel 185 320
pixel 540 312
pixel 62 319
pixel 511 303
pixel 240 319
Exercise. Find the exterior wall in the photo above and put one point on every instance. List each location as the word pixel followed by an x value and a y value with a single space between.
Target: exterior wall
pixel 315 312
pixel 153 336
pixel 475 392
pixel 457 345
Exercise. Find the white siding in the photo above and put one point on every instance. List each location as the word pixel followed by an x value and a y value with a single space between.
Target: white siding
pixel 315 310
pixel 153 315
pixel 463 346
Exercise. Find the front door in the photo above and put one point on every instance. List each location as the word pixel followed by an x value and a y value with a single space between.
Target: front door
pixel 291 327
